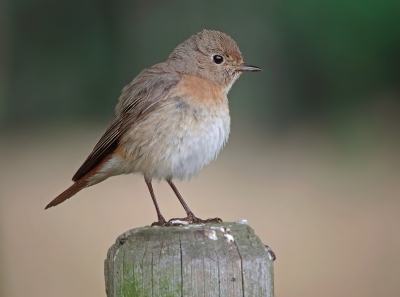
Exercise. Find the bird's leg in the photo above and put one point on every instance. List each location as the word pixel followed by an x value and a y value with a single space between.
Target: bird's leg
pixel 161 221
pixel 191 218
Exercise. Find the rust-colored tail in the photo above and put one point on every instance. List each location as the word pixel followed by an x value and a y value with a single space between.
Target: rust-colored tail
pixel 68 193
pixel 81 183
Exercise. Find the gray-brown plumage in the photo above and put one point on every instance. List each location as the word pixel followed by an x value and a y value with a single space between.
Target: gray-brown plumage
pixel 171 120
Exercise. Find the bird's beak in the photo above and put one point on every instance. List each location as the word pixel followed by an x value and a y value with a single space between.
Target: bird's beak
pixel 245 67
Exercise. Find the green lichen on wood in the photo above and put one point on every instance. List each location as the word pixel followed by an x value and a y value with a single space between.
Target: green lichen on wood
pixel 131 288
pixel 134 288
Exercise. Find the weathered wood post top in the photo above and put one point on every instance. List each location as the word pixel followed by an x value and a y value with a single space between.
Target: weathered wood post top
pixel 216 259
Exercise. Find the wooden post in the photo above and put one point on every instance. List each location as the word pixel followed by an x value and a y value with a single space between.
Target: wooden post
pixel 224 259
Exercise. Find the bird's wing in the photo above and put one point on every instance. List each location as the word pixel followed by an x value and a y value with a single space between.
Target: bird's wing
pixel 138 99
pixel 105 146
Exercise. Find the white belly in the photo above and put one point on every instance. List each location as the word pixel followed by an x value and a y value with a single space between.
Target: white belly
pixel 195 149
pixel 176 143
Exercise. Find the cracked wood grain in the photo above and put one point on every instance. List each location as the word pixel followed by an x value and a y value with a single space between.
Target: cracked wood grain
pixel 189 261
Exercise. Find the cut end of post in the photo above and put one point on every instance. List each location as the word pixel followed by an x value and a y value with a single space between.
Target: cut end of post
pixel 225 259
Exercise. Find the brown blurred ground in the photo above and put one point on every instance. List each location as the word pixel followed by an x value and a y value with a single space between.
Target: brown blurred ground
pixel 331 216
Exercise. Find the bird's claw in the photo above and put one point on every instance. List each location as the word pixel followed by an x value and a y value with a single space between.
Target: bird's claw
pixel 191 219
pixel 161 222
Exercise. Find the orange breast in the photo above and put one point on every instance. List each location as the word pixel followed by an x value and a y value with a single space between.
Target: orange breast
pixel 200 91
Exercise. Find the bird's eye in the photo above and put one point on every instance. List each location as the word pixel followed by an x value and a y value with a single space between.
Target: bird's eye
pixel 218 59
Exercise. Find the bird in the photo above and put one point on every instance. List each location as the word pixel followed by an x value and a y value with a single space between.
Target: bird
pixel 171 120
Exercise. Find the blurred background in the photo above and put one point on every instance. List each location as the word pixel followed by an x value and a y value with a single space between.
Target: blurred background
pixel 312 162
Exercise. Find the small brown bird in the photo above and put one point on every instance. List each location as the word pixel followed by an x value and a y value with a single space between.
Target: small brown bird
pixel 171 120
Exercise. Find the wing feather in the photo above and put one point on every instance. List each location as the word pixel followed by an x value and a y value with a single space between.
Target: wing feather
pixel 137 100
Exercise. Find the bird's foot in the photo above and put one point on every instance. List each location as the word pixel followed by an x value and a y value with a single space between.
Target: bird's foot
pixel 191 219
pixel 161 222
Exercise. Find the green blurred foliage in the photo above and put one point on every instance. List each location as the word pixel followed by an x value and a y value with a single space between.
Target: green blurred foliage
pixel 323 61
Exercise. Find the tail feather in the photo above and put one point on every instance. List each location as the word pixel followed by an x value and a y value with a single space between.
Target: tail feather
pixel 91 178
pixel 68 193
